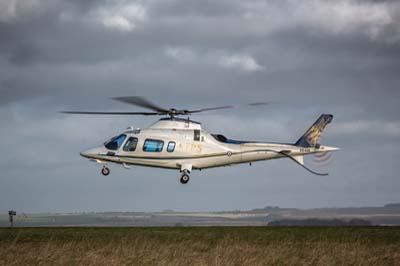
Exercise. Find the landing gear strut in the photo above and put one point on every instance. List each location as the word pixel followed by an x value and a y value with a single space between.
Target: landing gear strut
pixel 105 171
pixel 185 177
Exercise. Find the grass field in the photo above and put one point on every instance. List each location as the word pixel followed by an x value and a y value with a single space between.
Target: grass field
pixel 201 246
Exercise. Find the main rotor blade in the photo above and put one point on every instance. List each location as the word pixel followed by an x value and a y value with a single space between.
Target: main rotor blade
pixel 225 107
pixel 209 109
pixel 109 113
pixel 142 102
pixel 258 103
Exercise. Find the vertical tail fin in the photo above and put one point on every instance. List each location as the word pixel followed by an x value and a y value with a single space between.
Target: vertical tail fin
pixel 311 137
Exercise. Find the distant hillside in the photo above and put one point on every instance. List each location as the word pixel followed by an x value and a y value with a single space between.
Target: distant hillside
pixel 392 207
pixel 320 222
pixel 385 215
pixel 388 214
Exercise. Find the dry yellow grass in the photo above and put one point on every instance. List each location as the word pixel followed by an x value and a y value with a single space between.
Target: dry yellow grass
pixel 200 246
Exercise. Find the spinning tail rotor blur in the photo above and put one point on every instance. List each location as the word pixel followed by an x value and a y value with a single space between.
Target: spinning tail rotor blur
pixel 323 159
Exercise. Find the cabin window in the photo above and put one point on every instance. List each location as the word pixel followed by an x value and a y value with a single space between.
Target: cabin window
pixel 153 145
pixel 131 144
pixel 196 135
pixel 115 142
pixel 171 146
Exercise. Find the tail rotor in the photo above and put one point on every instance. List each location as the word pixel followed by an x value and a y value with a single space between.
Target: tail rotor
pixel 323 159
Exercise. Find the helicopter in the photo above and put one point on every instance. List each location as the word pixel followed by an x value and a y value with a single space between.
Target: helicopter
pixel 182 144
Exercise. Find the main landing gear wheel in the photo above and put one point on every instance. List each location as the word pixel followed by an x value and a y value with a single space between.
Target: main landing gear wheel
pixel 105 171
pixel 184 178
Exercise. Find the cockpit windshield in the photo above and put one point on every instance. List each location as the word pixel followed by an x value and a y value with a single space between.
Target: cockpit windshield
pixel 115 142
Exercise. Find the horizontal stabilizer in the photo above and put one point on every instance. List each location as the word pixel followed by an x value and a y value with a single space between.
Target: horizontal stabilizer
pixel 299 159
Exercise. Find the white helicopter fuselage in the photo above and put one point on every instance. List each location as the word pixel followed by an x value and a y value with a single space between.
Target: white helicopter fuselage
pixel 182 144
pixel 176 143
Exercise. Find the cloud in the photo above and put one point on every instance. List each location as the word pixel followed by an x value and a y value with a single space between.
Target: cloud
pixel 10 9
pixel 366 127
pixel 346 17
pixel 181 54
pixel 306 57
pixel 374 19
pixel 218 58
pixel 121 15
pixel 51 135
pixel 7 10
pixel 242 62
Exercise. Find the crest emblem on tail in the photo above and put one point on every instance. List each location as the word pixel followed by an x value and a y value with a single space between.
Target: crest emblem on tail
pixel 312 135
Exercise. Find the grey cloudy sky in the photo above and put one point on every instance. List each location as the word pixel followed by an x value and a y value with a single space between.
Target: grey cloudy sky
pixel 306 57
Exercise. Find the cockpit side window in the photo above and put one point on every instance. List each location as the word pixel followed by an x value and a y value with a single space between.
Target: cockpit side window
pixel 153 145
pixel 115 142
pixel 131 144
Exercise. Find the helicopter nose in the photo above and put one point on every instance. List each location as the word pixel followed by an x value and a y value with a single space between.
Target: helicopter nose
pixel 85 154
pixel 89 153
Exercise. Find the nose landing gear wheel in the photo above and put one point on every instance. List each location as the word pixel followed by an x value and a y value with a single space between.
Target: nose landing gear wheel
pixel 105 171
pixel 184 179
